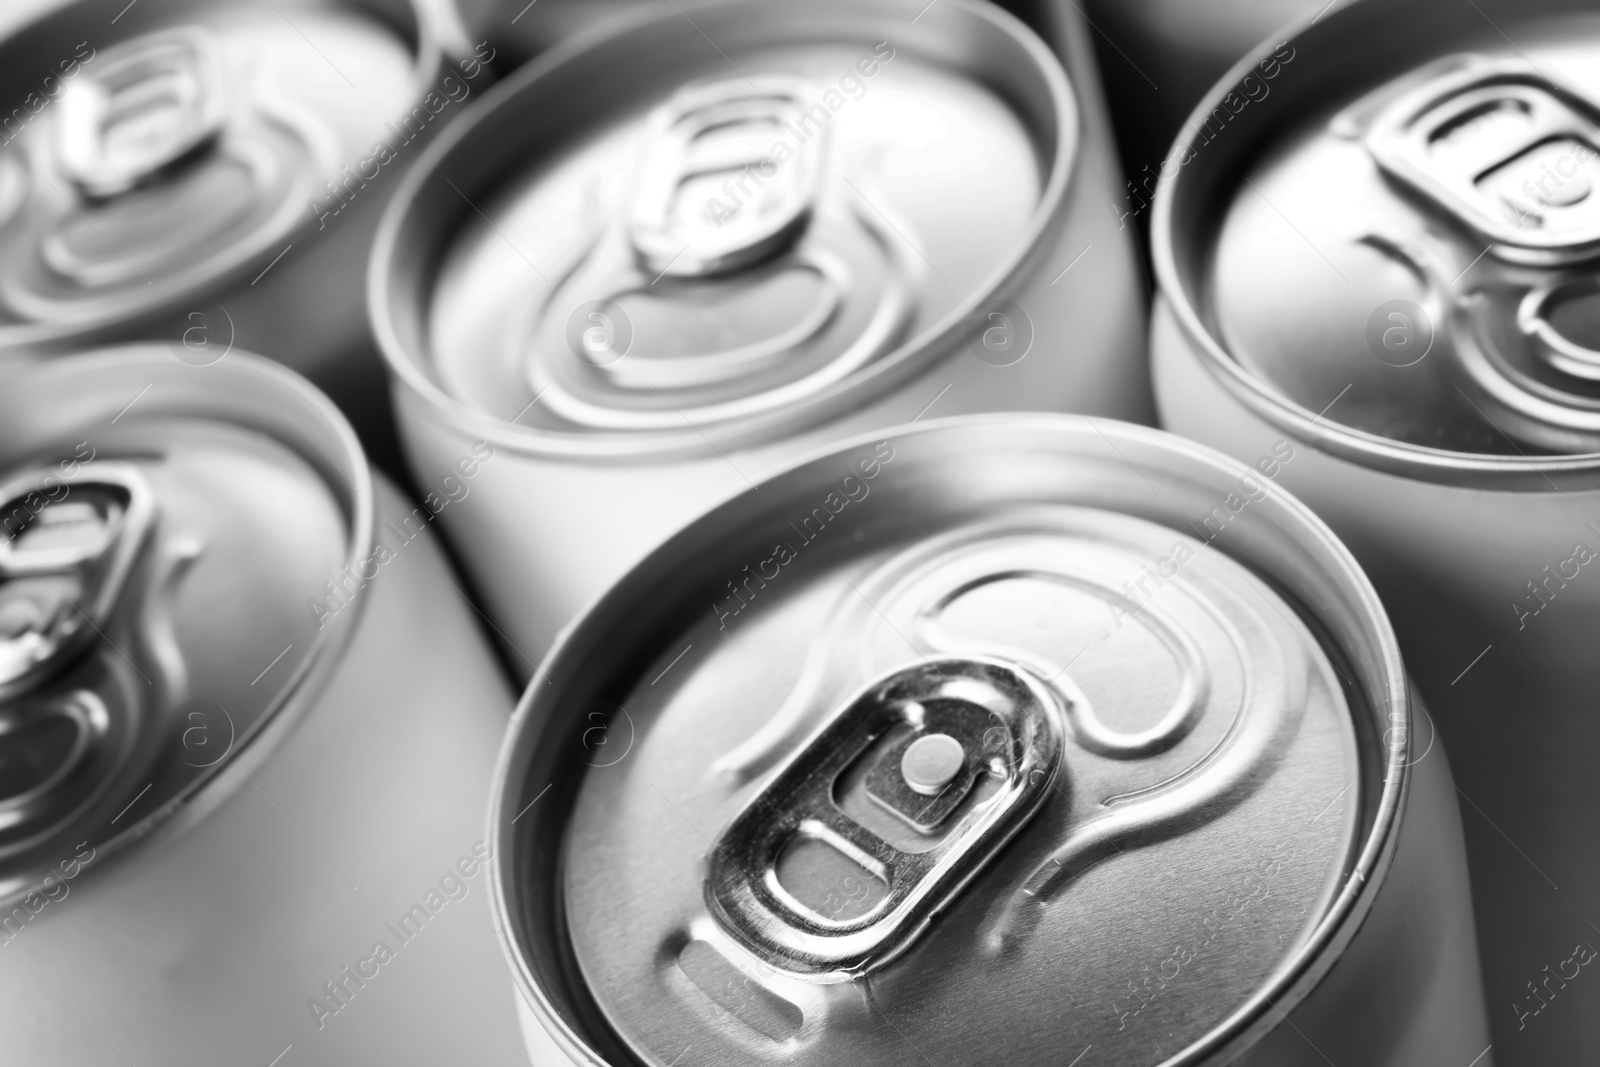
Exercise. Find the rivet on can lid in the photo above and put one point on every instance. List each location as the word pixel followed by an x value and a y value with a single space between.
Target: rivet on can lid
pixel 931 761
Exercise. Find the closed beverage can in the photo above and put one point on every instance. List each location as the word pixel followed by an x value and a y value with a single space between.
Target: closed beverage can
pixel 246 733
pixel 211 175
pixel 777 226
pixel 1003 762
pixel 1388 266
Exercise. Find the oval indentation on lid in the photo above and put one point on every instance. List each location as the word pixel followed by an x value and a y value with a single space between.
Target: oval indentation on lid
pixel 738 994
pixel 825 880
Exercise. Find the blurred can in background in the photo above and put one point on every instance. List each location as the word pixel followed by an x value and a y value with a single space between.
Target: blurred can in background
pixel 1388 267
pixel 246 733
pixel 519 31
pixel 1006 763
pixel 211 174
pixel 774 226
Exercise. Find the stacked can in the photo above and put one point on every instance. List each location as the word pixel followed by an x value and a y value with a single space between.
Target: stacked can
pixel 212 174
pixel 227 653
pixel 999 762
pixel 1388 267
pixel 668 259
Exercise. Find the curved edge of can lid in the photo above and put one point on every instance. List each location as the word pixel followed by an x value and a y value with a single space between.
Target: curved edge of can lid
pixel 151 361
pixel 429 37
pixel 1419 462
pixel 816 410
pixel 1241 1027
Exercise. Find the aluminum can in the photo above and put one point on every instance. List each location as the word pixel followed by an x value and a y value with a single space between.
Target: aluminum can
pixel 234 760
pixel 1160 57
pixel 211 175
pixel 520 31
pixel 1003 763
pixel 782 225
pixel 1386 266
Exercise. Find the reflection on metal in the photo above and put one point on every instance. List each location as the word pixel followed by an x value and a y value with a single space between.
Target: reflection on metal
pixel 756 900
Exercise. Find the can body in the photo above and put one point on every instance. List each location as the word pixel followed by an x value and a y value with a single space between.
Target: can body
pixel 519 32
pixel 565 509
pixel 251 227
pixel 221 924
pixel 960 553
pixel 1450 562
pixel 1470 510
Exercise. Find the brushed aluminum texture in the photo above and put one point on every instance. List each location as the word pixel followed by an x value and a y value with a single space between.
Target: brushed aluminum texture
pixel 256 791
pixel 1431 374
pixel 578 276
pixel 211 175
pixel 703 837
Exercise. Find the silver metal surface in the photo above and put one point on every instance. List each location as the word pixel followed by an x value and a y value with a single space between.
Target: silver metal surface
pixel 703 787
pixel 210 175
pixel 208 789
pixel 765 869
pixel 87 545
pixel 1481 141
pixel 779 225
pixel 1353 276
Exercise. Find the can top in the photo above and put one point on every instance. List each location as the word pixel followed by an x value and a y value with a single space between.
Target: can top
pixel 946 729
pixel 776 209
pixel 173 152
pixel 144 504
pixel 1393 267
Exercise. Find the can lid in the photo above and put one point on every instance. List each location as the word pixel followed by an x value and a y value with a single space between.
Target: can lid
pixel 180 152
pixel 130 679
pixel 729 239
pixel 1000 734
pixel 1396 279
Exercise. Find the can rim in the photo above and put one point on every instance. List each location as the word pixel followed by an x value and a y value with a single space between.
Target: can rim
pixel 431 34
pixel 816 409
pixel 1177 294
pixel 311 676
pixel 1249 1021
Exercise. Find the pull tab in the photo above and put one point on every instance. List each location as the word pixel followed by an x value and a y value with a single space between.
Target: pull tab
pixel 730 178
pixel 1505 151
pixel 66 547
pixel 150 102
pixel 835 867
